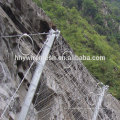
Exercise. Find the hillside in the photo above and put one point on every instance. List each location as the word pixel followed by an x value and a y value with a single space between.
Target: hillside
pixel 91 28
pixel 40 89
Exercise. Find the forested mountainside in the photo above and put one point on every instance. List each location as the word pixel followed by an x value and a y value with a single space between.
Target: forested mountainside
pixel 91 27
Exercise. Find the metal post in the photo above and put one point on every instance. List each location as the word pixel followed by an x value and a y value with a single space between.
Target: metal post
pixel 100 100
pixel 37 75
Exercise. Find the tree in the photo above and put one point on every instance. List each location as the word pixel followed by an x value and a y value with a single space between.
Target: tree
pixel 79 2
pixel 89 8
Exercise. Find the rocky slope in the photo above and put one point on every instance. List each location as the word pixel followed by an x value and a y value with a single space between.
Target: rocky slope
pixel 63 93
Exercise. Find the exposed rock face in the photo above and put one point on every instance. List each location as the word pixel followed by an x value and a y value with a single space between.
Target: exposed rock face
pixel 119 27
pixel 63 93
pixel 104 9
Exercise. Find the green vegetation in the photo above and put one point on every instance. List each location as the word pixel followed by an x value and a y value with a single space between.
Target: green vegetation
pixel 89 31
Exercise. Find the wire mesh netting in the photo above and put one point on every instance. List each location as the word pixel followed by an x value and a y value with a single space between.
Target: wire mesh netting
pixel 66 91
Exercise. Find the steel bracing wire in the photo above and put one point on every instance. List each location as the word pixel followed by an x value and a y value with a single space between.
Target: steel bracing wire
pixel 19 35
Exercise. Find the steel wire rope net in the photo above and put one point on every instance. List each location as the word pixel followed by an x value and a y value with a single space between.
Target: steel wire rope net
pixel 66 89
pixel 62 87
pixel 42 93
